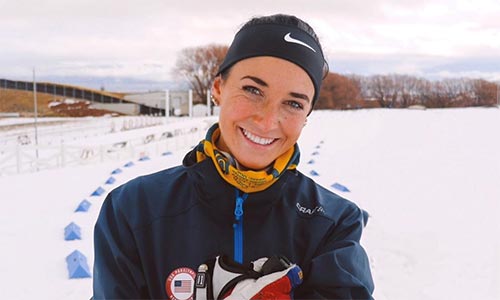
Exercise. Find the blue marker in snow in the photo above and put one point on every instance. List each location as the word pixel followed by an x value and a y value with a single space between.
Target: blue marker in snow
pixel 340 187
pixel 72 232
pixel 314 173
pixel 77 265
pixel 110 180
pixel 83 206
pixel 98 192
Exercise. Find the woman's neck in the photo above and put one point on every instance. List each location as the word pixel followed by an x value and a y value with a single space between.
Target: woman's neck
pixel 219 143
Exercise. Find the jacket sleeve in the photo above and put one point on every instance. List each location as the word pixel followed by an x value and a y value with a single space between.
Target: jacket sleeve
pixel 117 270
pixel 341 269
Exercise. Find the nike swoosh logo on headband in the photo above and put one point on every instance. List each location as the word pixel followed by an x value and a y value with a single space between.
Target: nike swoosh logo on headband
pixel 290 39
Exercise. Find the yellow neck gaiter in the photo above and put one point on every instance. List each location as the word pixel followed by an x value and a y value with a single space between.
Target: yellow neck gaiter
pixel 246 181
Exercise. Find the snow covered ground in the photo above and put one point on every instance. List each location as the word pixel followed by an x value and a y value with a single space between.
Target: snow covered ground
pixel 430 180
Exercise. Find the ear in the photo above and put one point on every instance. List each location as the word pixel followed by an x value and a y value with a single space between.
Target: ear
pixel 217 87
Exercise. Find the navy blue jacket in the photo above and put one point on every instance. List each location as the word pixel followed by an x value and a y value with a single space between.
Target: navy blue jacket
pixel 180 217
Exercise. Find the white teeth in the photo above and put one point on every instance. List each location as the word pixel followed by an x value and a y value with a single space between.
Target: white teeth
pixel 257 139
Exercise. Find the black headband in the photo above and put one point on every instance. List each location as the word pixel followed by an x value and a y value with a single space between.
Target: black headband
pixel 282 41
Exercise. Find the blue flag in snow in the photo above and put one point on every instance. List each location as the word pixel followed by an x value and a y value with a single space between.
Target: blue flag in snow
pixel 83 206
pixel 366 215
pixel 98 192
pixel 72 232
pixel 314 173
pixel 77 265
pixel 340 187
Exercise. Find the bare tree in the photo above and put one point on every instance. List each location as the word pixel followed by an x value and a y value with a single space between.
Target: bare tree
pixel 338 92
pixel 384 89
pixel 484 92
pixel 198 65
pixel 409 90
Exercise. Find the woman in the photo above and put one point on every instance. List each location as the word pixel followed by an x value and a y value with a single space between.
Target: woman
pixel 238 195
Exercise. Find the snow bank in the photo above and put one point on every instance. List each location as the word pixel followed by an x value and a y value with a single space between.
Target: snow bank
pixel 430 180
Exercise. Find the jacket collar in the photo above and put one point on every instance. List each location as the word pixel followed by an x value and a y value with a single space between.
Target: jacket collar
pixel 219 195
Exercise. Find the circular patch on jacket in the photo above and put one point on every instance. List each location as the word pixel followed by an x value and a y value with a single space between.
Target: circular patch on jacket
pixel 180 284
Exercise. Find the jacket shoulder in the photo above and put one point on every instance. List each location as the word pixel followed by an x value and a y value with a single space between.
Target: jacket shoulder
pixel 149 197
pixel 323 202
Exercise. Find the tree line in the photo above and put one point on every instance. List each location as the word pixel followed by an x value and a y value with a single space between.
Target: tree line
pixel 198 65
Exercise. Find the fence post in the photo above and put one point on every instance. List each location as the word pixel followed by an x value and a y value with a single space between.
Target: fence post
pixel 131 149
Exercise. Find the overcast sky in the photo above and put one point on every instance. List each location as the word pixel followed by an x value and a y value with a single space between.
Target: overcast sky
pixel 140 39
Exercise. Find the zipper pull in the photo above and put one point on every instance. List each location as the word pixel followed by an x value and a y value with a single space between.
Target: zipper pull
pixel 238 210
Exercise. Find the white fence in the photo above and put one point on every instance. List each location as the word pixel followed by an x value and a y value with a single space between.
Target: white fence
pixel 154 141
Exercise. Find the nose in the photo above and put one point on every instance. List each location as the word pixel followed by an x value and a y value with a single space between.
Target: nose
pixel 267 117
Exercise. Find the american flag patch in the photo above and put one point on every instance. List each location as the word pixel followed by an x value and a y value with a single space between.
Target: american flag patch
pixel 182 286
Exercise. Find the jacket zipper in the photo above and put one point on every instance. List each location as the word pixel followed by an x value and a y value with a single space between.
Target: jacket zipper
pixel 238 227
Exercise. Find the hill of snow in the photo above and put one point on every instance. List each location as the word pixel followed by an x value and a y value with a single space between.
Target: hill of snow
pixel 429 179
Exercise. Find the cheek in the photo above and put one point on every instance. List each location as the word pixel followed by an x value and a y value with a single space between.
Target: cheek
pixel 236 108
pixel 293 128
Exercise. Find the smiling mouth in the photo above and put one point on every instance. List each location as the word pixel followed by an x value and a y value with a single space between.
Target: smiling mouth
pixel 257 139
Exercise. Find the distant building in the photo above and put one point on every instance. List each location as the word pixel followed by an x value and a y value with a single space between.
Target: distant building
pixel 149 103
pixel 178 101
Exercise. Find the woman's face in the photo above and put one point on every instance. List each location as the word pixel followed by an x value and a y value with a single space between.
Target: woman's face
pixel 264 103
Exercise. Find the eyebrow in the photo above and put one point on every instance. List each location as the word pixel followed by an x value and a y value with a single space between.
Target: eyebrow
pixel 300 96
pixel 263 83
pixel 256 79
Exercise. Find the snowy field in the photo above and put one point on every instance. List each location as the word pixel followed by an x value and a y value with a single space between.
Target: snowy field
pixel 430 180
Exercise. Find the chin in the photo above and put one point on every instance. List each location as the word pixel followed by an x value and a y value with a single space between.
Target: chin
pixel 255 166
